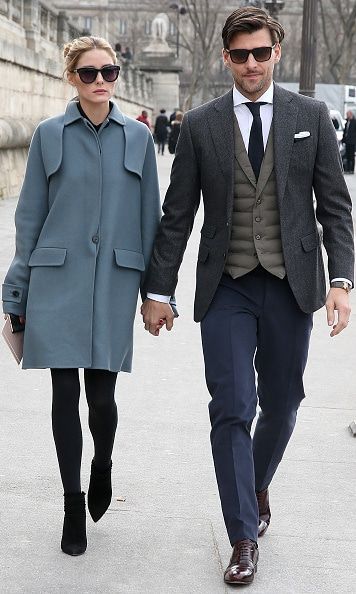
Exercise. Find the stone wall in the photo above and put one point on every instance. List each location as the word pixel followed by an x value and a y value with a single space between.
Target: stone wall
pixel 32 87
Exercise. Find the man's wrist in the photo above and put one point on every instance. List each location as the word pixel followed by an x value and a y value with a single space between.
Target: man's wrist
pixel 341 284
pixel 160 298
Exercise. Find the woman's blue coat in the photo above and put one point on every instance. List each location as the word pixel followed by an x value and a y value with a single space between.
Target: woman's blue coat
pixel 85 225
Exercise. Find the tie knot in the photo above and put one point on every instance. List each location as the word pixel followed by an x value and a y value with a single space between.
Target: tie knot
pixel 255 107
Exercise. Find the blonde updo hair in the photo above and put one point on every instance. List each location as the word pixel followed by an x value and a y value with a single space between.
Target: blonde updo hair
pixel 75 48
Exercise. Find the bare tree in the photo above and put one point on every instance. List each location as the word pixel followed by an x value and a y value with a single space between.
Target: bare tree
pixel 338 32
pixel 203 44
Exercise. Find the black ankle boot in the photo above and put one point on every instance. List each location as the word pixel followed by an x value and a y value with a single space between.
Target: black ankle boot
pixel 74 538
pixel 99 492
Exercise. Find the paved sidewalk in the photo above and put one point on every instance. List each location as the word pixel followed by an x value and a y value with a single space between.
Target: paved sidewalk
pixel 164 531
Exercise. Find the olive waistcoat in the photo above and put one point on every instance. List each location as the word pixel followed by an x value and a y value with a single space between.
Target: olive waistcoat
pixel 255 234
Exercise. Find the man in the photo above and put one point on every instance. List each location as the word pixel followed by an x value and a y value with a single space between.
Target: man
pixel 349 139
pixel 256 153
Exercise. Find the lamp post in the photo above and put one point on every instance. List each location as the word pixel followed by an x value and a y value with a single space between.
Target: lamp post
pixel 308 52
pixel 180 11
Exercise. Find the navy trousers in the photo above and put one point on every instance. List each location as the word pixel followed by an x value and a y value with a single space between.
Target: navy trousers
pixel 254 326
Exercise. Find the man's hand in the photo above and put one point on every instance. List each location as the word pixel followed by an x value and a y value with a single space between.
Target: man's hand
pixel 155 314
pixel 337 300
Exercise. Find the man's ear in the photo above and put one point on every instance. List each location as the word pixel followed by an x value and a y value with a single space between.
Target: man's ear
pixel 225 58
pixel 277 53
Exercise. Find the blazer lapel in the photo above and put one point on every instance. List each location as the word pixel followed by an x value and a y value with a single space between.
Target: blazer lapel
pixel 284 127
pixel 241 154
pixel 221 125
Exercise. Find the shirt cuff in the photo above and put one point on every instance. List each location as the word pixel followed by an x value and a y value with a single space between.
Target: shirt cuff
pixel 161 298
pixel 346 280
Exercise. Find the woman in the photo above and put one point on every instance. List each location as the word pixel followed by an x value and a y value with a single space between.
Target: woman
pixel 85 224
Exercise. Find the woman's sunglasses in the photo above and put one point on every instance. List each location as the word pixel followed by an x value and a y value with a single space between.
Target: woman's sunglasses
pixel 240 56
pixel 88 74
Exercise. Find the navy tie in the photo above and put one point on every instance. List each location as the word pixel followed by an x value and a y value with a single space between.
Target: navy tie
pixel 255 145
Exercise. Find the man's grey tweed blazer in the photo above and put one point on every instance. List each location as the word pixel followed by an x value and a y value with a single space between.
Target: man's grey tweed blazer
pixel 204 164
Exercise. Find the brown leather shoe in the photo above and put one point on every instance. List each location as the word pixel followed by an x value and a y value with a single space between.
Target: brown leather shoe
pixel 243 563
pixel 263 511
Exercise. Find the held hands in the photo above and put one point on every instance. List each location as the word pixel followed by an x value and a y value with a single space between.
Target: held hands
pixel 155 315
pixel 337 300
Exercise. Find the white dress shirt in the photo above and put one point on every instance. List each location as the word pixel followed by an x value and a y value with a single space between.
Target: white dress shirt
pixel 244 118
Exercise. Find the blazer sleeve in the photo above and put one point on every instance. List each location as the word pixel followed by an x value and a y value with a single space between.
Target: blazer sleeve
pixel 31 212
pixel 333 209
pixel 179 208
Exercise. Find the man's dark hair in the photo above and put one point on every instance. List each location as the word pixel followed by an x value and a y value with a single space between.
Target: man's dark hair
pixel 250 19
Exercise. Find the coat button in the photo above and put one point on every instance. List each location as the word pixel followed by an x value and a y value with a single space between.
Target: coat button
pixel 258 219
pixel 16 293
pixel 258 236
pixel 95 239
pixel 258 201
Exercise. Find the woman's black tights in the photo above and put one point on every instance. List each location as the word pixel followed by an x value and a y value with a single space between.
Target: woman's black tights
pixel 67 431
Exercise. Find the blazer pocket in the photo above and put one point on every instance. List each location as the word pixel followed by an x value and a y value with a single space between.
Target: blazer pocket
pixel 310 242
pixel 47 256
pixel 203 253
pixel 208 230
pixel 129 259
pixel 11 293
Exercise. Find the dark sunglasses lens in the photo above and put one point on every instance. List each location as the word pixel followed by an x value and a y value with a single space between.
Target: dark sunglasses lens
pixel 87 75
pixel 262 54
pixel 110 73
pixel 239 56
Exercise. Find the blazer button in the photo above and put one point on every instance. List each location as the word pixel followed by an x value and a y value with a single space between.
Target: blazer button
pixel 16 293
pixel 95 239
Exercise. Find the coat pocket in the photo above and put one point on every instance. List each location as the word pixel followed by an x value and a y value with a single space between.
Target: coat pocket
pixel 310 242
pixel 47 256
pixel 129 259
pixel 208 230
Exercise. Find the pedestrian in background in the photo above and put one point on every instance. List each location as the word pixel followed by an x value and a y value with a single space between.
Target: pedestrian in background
pixel 256 154
pixel 85 224
pixel 127 54
pixel 161 131
pixel 143 117
pixel 349 139
pixel 174 132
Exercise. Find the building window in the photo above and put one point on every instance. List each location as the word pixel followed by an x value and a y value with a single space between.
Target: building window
pixel 122 27
pixel 148 27
pixel 88 23
pixel 172 28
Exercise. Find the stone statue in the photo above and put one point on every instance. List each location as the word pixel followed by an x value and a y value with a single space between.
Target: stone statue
pixel 160 27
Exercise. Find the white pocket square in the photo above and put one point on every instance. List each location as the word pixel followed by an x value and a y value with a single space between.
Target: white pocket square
pixel 303 134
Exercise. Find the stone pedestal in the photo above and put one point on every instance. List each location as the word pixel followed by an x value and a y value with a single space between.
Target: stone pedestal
pixel 159 61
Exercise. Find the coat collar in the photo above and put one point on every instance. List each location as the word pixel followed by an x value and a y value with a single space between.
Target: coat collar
pixel 72 114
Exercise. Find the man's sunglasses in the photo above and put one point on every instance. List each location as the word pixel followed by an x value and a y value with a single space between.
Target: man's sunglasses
pixel 88 74
pixel 240 56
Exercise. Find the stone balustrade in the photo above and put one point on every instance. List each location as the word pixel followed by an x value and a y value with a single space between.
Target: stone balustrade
pixel 32 35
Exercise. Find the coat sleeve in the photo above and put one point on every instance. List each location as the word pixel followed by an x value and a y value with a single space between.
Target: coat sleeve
pixel 150 204
pixel 31 212
pixel 180 206
pixel 333 209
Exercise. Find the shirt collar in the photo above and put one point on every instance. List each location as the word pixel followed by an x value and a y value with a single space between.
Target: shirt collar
pixel 239 98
